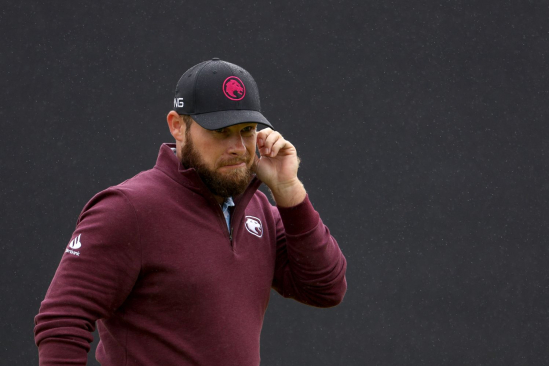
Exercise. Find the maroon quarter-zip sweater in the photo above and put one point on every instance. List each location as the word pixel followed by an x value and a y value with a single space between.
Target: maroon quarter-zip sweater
pixel 152 262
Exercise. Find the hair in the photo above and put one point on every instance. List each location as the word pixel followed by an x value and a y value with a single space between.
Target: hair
pixel 187 119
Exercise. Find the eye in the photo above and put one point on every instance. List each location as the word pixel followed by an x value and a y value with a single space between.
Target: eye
pixel 248 130
pixel 220 130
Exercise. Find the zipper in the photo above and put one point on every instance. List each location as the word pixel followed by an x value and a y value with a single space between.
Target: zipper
pixel 224 225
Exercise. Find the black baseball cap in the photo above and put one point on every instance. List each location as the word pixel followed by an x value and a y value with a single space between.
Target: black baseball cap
pixel 218 94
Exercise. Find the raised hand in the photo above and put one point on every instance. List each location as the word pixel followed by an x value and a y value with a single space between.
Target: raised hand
pixel 277 167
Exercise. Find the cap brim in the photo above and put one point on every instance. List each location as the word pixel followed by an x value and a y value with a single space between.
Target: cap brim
pixel 221 119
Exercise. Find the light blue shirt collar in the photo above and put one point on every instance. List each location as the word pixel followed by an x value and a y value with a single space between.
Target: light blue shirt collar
pixel 225 207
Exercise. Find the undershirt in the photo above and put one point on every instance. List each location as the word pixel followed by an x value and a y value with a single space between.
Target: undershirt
pixel 226 212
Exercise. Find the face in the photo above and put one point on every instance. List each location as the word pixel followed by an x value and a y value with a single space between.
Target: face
pixel 222 158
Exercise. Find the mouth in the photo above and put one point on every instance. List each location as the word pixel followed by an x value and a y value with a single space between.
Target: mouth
pixel 234 166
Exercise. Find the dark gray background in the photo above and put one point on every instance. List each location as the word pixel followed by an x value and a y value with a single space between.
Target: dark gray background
pixel 422 131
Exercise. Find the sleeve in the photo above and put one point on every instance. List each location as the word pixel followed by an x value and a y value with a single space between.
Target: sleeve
pixel 97 271
pixel 310 267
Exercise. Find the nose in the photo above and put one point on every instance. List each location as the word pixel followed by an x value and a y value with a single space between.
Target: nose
pixel 236 145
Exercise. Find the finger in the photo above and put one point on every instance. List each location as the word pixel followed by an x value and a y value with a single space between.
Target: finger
pixel 269 142
pixel 277 146
pixel 262 136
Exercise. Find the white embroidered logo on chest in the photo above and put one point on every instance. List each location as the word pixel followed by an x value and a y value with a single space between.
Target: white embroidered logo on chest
pixel 253 225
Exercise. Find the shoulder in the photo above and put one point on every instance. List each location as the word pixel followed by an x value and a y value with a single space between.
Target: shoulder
pixel 143 182
pixel 144 187
pixel 109 204
pixel 119 199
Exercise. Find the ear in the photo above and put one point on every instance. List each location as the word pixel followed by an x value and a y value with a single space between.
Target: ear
pixel 177 126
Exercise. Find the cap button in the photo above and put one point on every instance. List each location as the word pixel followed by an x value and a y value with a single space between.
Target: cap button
pixel 215 59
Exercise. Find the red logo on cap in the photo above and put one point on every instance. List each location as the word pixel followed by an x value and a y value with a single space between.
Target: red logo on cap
pixel 234 88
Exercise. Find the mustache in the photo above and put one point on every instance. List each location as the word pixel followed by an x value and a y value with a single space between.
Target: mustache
pixel 233 161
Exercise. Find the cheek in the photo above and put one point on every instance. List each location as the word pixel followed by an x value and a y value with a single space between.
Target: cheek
pixel 251 144
pixel 210 152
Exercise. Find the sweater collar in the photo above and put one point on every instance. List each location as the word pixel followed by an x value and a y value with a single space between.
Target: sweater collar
pixel 168 163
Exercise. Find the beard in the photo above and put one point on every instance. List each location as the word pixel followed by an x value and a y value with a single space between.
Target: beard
pixel 228 184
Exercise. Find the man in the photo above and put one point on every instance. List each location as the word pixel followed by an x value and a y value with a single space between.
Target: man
pixel 176 264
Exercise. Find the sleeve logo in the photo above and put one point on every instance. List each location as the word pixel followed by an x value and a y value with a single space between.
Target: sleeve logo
pixel 74 244
pixel 254 227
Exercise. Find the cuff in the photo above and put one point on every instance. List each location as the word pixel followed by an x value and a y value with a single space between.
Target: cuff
pixel 299 219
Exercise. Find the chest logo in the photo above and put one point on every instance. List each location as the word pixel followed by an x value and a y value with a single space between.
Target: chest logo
pixel 254 227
